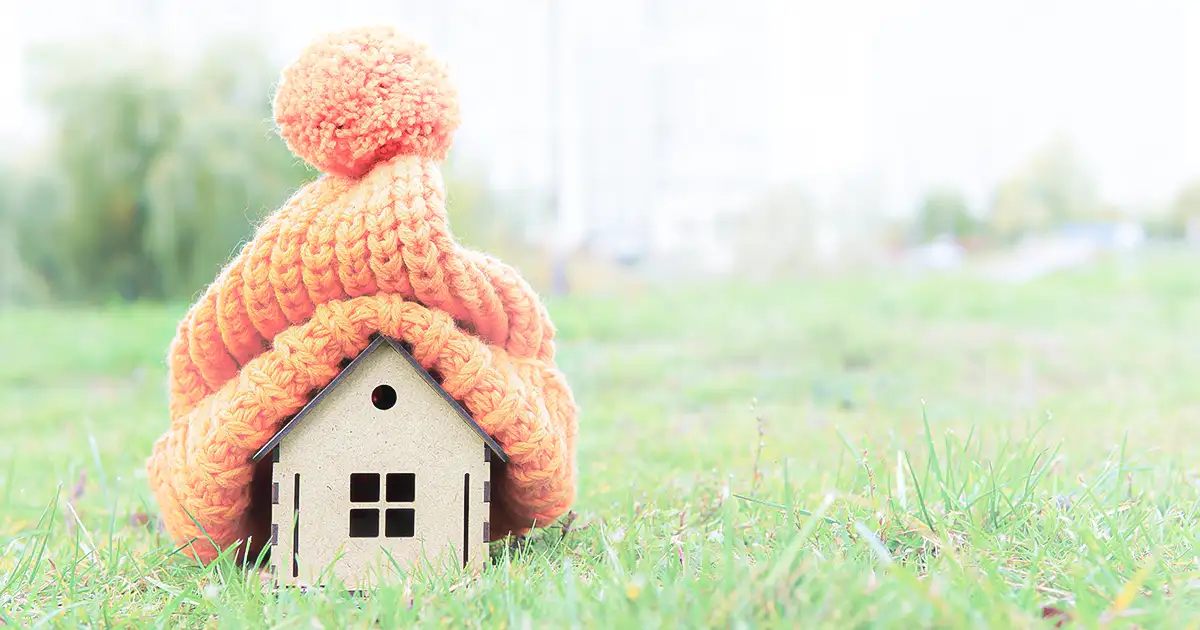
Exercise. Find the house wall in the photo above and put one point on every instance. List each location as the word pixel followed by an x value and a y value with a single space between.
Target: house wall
pixel 345 434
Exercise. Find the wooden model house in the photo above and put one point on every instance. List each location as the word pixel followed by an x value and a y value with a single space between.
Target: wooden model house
pixel 381 469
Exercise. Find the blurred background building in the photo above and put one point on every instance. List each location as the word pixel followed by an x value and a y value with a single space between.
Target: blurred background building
pixel 651 133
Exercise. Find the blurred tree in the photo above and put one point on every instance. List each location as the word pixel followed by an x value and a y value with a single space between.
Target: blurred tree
pixel 1051 189
pixel 944 212
pixel 111 117
pixel 34 207
pixel 11 270
pixel 1057 178
pixel 39 208
pixel 156 172
pixel 1185 210
pixel 1014 212
pixel 224 171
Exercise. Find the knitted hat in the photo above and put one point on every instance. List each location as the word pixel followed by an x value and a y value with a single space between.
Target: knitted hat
pixel 363 249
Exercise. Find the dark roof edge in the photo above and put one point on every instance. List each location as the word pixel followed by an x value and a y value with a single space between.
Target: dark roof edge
pixel 400 347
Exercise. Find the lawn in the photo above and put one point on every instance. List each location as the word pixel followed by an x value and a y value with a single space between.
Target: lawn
pixel 908 452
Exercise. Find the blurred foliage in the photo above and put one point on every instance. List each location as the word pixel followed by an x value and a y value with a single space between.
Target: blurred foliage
pixel 1185 210
pixel 944 212
pixel 1187 203
pixel 1051 189
pixel 154 173
pixel 12 270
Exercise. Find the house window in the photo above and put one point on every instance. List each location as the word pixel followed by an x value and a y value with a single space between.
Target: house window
pixel 400 523
pixel 401 487
pixel 364 523
pixel 397 489
pixel 364 487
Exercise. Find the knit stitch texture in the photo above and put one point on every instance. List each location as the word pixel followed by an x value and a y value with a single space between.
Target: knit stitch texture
pixel 366 248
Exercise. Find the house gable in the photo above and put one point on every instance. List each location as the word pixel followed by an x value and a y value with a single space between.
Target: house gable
pixel 363 484
pixel 378 343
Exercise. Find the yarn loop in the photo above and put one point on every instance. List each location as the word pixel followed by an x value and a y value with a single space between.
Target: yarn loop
pixel 362 96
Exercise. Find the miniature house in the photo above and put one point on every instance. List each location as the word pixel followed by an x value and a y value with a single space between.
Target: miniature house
pixel 382 469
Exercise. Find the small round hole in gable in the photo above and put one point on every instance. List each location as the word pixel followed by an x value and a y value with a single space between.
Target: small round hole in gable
pixel 383 397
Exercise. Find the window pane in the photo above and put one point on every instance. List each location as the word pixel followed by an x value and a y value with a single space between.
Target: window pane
pixel 401 523
pixel 364 523
pixel 401 487
pixel 364 487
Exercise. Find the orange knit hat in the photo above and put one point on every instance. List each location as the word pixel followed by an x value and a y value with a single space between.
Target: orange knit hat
pixel 363 249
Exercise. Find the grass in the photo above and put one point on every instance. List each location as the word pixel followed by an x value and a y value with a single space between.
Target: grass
pixel 871 452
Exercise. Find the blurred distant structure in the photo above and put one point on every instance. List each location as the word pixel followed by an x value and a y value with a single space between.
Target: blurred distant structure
pixel 706 145
pixel 1073 245
pixel 676 138
pixel 941 253
pixel 653 106
pixel 653 139
pixel 1184 214
pixel 1112 236
pixel 1192 232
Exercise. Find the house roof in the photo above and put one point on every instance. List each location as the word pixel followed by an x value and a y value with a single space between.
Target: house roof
pixel 402 349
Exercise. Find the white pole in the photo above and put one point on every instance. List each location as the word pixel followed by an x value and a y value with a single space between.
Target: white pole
pixel 563 185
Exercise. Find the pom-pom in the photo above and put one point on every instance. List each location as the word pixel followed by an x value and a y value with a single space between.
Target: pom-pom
pixel 362 96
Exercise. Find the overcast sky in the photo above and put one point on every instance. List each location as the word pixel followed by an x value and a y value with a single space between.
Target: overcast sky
pixel 918 92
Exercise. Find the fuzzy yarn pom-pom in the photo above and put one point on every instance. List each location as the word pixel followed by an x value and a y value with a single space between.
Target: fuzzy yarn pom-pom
pixel 358 97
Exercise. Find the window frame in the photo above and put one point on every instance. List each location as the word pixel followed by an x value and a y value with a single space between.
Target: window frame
pixel 383 505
